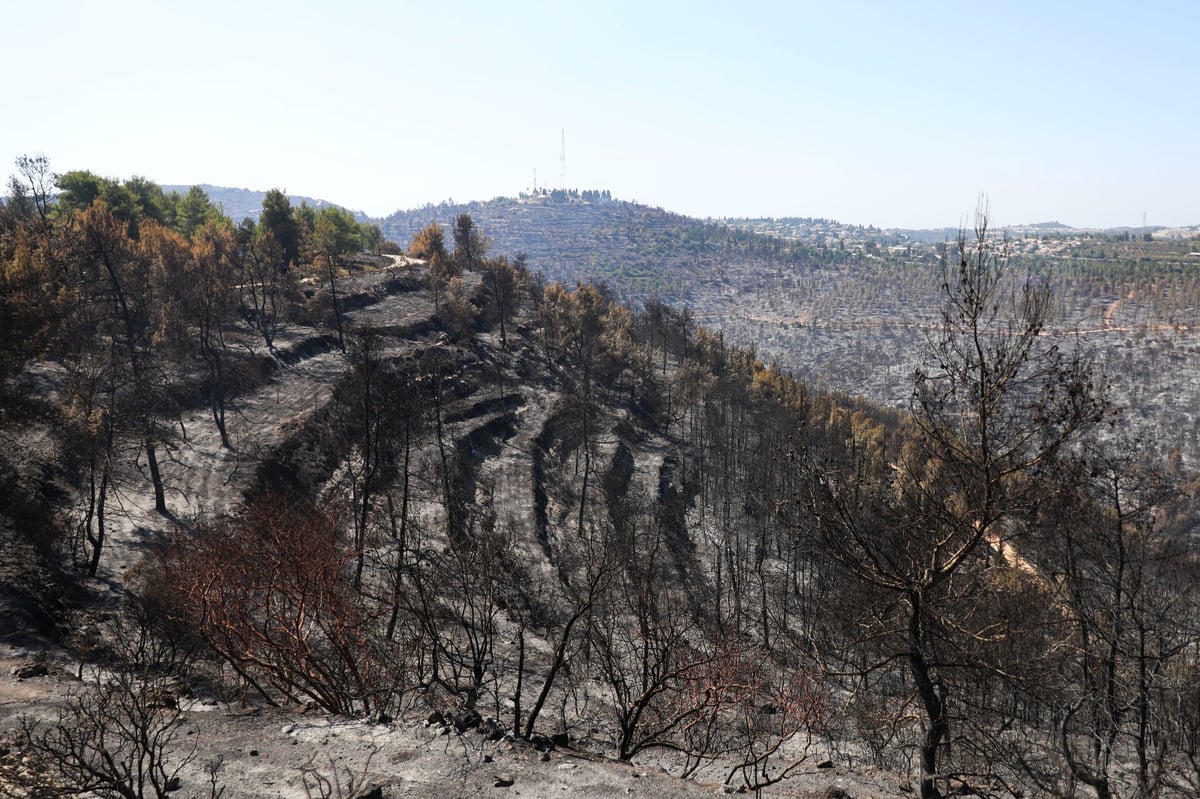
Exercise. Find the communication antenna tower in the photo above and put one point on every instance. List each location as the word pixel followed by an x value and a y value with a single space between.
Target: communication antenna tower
pixel 562 162
pixel 535 180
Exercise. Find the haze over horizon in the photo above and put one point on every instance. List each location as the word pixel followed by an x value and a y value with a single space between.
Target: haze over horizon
pixel 860 112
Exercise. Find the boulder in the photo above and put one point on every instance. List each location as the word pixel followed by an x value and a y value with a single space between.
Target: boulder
pixel 465 718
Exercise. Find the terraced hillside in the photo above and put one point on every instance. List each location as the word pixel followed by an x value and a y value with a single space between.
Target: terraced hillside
pixel 533 489
pixel 602 534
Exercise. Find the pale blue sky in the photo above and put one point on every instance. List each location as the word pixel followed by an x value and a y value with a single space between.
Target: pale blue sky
pixel 894 114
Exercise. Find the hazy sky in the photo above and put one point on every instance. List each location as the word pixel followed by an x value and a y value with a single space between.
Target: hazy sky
pixel 887 113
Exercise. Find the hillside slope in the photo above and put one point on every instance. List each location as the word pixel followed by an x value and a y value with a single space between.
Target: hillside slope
pixel 503 446
pixel 478 514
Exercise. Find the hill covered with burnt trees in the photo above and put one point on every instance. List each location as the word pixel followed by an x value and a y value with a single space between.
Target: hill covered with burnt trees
pixel 443 488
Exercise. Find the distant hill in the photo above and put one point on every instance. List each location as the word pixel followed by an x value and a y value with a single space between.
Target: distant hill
pixel 639 251
pixel 242 204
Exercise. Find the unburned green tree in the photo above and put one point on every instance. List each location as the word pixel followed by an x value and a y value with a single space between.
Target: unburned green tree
pixel 470 245
pixel 194 209
pixel 278 221
pixel 334 236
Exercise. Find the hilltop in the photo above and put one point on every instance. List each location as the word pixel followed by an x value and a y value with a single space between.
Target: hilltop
pixel 640 252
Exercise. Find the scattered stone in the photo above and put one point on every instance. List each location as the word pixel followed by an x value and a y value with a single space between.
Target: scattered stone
pixel 727 788
pixel 541 743
pixel 370 792
pixel 835 792
pixel 29 670
pixel 253 753
pixel 504 780
pixel 544 757
pixel 435 717
pixel 825 764
pixel 565 766
pixel 487 758
pixel 173 784
pixel 561 740
pixel 491 729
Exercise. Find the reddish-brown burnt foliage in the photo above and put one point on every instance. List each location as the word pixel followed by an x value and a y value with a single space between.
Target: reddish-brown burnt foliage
pixel 269 590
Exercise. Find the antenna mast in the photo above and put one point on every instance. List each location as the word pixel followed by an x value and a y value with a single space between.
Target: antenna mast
pixel 562 162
